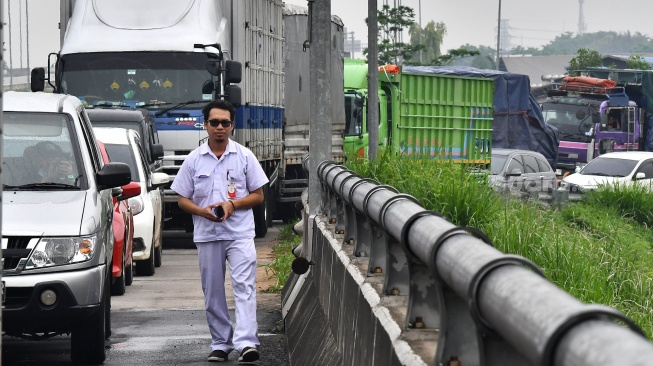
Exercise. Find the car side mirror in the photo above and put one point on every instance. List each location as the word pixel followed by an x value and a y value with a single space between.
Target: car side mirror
pixel 514 173
pixel 640 175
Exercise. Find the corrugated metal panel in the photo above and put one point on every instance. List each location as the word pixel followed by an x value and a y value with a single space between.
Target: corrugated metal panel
pixel 297 85
pixel 445 117
pixel 258 45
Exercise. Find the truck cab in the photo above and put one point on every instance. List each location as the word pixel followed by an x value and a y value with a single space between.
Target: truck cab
pixel 596 112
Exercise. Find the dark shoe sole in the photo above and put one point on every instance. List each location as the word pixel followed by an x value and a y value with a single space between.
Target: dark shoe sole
pixel 250 355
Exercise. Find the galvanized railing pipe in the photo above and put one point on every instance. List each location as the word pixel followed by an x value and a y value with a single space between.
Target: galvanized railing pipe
pixel 489 308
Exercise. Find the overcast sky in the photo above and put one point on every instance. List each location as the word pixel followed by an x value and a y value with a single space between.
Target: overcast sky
pixel 533 23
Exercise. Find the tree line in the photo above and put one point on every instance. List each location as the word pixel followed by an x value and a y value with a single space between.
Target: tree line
pixel 424 46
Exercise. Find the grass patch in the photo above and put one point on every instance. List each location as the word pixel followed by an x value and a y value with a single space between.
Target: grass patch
pixel 598 250
pixel 280 267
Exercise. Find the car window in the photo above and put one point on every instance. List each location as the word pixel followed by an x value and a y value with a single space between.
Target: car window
pixel 530 164
pixel 609 167
pixel 647 169
pixel 123 154
pixel 516 163
pixel 544 165
pixel 40 148
pixel 497 163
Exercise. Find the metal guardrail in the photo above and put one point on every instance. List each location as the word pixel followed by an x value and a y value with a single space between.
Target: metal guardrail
pixel 488 308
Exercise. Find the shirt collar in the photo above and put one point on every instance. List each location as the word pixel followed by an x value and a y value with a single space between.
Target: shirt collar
pixel 205 149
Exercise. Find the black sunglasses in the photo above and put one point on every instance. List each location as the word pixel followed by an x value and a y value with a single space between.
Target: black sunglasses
pixel 215 122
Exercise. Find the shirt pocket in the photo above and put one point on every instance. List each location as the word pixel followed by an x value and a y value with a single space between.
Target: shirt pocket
pixel 240 179
pixel 203 185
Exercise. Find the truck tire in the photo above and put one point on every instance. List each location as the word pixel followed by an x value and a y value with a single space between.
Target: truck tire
pixel 87 338
pixel 260 216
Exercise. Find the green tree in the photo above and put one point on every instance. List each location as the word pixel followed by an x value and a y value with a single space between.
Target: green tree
pixel 392 21
pixel 585 58
pixel 431 39
pixel 637 62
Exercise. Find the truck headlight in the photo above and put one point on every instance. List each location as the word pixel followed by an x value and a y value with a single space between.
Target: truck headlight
pixel 136 204
pixel 59 251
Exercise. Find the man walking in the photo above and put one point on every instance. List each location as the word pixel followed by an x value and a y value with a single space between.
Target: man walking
pixel 219 183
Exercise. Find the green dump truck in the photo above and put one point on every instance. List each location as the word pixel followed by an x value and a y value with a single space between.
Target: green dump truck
pixel 439 116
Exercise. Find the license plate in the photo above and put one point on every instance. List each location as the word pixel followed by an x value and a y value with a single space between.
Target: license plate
pixel 4 292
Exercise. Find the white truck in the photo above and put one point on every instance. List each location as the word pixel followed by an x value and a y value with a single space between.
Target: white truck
pixel 173 56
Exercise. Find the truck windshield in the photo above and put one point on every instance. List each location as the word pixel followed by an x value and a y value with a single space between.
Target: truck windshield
pixel 575 122
pixel 135 78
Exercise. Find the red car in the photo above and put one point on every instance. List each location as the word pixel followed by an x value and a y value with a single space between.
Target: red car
pixel 122 271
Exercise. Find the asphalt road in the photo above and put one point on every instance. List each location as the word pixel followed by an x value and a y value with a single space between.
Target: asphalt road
pixel 161 320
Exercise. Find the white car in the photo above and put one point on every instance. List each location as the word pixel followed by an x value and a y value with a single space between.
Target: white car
pixel 624 168
pixel 124 145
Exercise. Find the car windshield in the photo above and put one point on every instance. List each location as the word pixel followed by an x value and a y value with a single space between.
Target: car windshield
pixel 498 161
pixel 608 167
pixel 123 154
pixel 39 153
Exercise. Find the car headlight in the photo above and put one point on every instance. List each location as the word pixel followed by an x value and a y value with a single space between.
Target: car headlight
pixel 136 204
pixel 59 251
pixel 574 188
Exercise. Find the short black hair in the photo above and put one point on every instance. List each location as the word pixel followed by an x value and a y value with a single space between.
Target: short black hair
pixel 219 104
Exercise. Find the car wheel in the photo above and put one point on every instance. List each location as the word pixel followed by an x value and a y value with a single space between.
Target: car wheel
pixel 146 267
pixel 87 338
pixel 129 274
pixel 118 285
pixel 158 253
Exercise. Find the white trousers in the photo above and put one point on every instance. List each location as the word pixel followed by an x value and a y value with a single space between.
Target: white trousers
pixel 241 256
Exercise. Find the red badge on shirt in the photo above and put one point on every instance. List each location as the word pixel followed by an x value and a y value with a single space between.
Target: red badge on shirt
pixel 231 190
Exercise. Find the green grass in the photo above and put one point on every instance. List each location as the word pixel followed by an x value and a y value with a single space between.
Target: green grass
pixel 598 250
pixel 280 267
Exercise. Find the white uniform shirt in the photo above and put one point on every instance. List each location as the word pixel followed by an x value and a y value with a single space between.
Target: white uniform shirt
pixel 205 179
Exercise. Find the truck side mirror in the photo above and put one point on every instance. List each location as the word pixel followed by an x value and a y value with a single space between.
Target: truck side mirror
pixel 213 67
pixel 157 151
pixel 208 88
pixel 232 95
pixel 37 83
pixel 603 126
pixel 233 72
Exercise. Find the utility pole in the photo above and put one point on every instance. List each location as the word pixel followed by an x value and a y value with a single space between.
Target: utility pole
pixel 499 36
pixel 351 55
pixel 372 81
pixel 420 29
pixel 321 117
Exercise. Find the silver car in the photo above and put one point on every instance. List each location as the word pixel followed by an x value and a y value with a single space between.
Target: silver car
pixel 521 171
pixel 57 214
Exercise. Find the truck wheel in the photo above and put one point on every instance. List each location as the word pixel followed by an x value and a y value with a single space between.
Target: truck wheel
pixel 87 338
pixel 270 202
pixel 260 216
pixel 146 267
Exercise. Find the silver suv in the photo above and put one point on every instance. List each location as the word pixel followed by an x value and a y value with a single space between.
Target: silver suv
pixel 57 236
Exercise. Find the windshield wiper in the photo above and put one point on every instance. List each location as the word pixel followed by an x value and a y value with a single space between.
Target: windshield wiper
pixel 47 185
pixel 159 113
